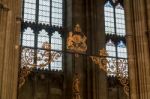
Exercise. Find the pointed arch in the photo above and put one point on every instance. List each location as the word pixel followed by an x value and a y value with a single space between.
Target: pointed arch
pixel 120 20
pixel 56 41
pixel 28 38
pixel 56 44
pixel 109 18
pixel 42 37
pixel 121 50
pixel 110 48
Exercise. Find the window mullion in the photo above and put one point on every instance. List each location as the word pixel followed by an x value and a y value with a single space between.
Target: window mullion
pixel 63 13
pixel 50 19
pixel 37 12
pixel 49 66
pixel 35 45
pixel 23 3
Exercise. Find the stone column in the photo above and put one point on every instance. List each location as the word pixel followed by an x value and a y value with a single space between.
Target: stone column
pixel 3 23
pixel 137 49
pixel 101 87
pixel 9 33
pixel 147 5
pixel 130 38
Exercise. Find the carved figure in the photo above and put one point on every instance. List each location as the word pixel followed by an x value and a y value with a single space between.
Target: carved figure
pixel 76 87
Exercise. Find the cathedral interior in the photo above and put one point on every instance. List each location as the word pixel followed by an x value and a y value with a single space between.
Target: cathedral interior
pixel 75 49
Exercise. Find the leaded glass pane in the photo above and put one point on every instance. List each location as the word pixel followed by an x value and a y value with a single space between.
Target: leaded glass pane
pixel 56 44
pixel 121 50
pixel 28 38
pixel 56 41
pixel 44 11
pixel 123 67
pixel 57 12
pixel 111 67
pixel 120 20
pixel 42 37
pixel 29 10
pixel 110 48
pixel 109 18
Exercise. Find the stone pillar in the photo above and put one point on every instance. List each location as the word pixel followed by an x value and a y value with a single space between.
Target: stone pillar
pixel 3 23
pixel 9 33
pixel 147 5
pixel 130 38
pixel 100 76
pixel 137 49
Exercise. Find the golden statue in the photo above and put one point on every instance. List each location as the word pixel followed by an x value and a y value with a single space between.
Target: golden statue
pixel 76 87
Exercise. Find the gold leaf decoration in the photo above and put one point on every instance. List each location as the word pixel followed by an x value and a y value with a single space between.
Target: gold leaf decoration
pixel 76 40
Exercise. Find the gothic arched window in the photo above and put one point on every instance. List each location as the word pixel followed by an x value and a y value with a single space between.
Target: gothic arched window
pixel 43 22
pixel 56 44
pixel 115 31
pixel 109 18
pixel 121 50
pixel 28 37
pixel 111 50
pixel 120 20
